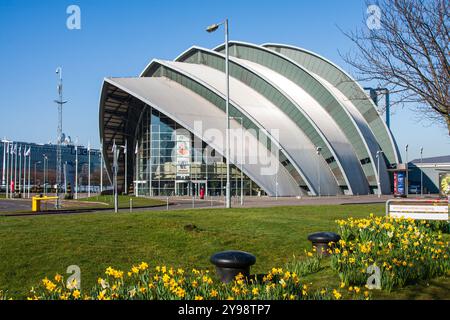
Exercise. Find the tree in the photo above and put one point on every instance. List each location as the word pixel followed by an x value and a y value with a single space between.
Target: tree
pixel 405 47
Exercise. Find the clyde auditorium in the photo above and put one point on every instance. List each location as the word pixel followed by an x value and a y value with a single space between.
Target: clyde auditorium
pixel 302 111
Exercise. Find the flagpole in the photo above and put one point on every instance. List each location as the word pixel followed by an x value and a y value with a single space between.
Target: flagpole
pixel 7 169
pixel 89 169
pixel 20 169
pixel 29 171
pixel 11 176
pixel 4 158
pixel 15 169
pixel 136 156
pixel 24 185
pixel 101 167
pixel 76 170
pixel 115 156
pixel 126 166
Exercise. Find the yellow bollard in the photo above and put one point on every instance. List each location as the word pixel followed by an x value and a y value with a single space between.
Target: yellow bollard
pixel 36 204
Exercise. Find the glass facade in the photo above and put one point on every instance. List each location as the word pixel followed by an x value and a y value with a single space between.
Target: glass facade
pixel 234 112
pixel 171 161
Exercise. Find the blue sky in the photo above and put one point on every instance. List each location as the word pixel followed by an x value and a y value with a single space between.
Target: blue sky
pixel 119 38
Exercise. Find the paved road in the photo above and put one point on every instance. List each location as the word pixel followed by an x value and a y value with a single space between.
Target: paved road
pixel 253 202
pixel 179 203
pixel 14 205
pixel 11 205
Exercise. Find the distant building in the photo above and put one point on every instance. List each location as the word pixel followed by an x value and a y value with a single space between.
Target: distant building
pixel 433 170
pixel 38 153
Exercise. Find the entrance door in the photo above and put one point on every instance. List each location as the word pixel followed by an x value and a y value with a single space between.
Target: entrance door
pixel 197 186
pixel 182 188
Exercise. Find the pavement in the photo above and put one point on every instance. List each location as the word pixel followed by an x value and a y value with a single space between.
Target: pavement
pixel 9 205
pixel 183 203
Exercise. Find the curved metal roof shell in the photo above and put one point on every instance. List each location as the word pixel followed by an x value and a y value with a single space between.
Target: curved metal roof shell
pixel 307 80
pixel 167 96
pixel 270 89
pixel 349 87
pixel 323 124
pixel 291 139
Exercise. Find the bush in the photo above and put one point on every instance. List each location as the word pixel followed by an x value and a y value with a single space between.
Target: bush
pixel 405 251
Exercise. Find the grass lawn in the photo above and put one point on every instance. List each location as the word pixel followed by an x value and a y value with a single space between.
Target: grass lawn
pixel 32 248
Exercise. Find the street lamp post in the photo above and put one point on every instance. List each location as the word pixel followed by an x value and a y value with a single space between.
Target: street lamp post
pixel 89 169
pixel 379 152
pixel 115 164
pixel 318 150
pixel 421 171
pixel 65 176
pixel 213 28
pixel 125 151
pixel 407 173
pixel 45 174
pixel 242 158
pixel 276 184
pixel 35 163
pixel 101 167
pixel 76 170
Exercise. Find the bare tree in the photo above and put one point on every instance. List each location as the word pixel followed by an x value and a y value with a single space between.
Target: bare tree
pixel 407 50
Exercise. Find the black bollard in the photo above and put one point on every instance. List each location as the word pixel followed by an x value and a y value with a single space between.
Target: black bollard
pixel 320 240
pixel 230 263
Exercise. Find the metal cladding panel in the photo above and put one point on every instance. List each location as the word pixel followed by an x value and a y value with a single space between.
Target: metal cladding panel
pixel 206 121
pixel 343 150
pixel 307 80
pixel 269 89
pixel 350 88
pixel 291 139
pixel 369 137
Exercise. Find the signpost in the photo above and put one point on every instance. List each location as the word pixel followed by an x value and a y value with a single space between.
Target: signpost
pixel 418 209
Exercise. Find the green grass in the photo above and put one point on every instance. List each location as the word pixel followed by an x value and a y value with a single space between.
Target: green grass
pixel 32 248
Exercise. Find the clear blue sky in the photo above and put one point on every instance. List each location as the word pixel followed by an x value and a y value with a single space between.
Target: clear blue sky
pixel 119 37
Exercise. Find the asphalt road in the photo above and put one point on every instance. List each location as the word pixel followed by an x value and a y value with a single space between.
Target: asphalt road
pixel 177 203
pixel 14 205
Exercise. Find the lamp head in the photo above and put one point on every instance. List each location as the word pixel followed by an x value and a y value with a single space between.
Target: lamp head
pixel 212 28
